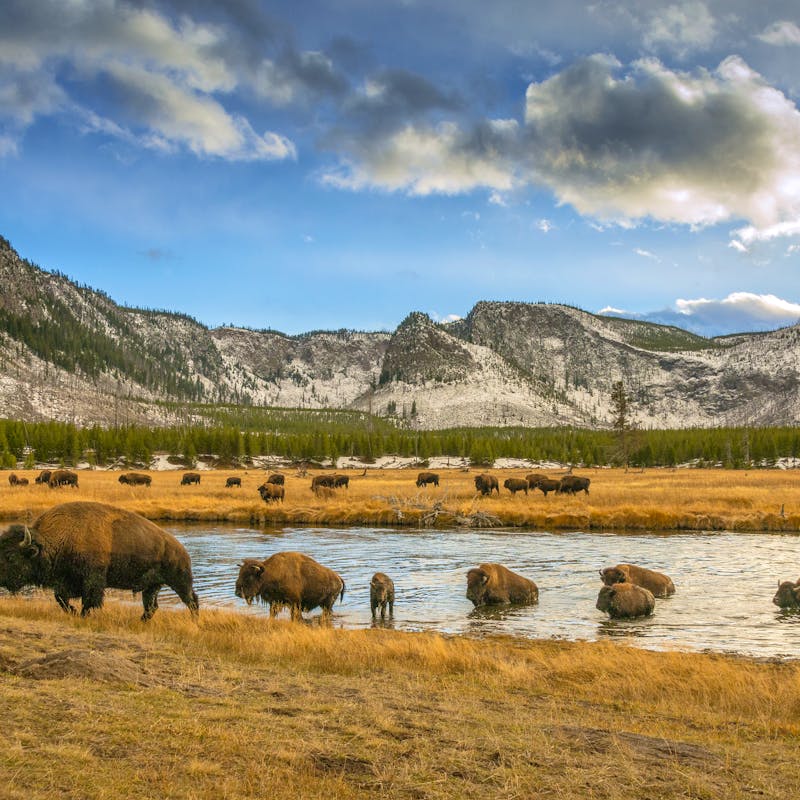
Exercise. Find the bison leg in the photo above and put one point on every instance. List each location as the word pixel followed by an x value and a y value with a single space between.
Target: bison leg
pixel 150 601
pixel 188 595
pixel 92 594
pixel 62 598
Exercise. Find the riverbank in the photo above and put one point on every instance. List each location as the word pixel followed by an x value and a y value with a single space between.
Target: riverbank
pixel 755 500
pixel 238 706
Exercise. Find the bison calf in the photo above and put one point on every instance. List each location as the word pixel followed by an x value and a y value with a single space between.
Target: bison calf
pixel 381 594
pixel 626 600
pixel 515 485
pixel 659 584
pixel 494 584
pixel 788 595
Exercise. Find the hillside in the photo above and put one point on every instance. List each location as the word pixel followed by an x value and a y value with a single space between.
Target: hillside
pixel 68 352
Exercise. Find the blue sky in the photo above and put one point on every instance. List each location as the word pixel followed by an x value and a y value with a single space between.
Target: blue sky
pixel 338 164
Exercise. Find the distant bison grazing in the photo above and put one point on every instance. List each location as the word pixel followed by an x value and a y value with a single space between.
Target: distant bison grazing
pixel 515 485
pixel 341 480
pixel 319 482
pixel 494 584
pixel 788 595
pixel 486 483
pixel 572 484
pixel 424 478
pixel 547 485
pixel 289 579
pixel 79 549
pixel 63 477
pixel 659 584
pixel 626 600
pixel 13 480
pixel 381 594
pixel 43 477
pixel 271 492
pixel 276 478
pixel 233 482
pixel 189 478
pixel 135 479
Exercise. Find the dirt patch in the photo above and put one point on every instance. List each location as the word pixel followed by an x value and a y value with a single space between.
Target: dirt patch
pixel 83 664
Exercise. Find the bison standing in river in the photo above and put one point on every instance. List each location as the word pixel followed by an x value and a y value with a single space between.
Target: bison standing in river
pixel 289 579
pixel 659 584
pixel 381 594
pixel 486 483
pixel 79 549
pixel 788 595
pixel 494 584
pixel 626 600
pixel 424 478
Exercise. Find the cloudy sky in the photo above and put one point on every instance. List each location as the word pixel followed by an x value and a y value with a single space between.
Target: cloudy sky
pixel 320 164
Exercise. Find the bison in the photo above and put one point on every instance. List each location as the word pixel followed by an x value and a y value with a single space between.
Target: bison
pixel 656 582
pixel 135 479
pixel 43 477
pixel 515 485
pixel 381 594
pixel 424 478
pixel 534 478
pixel 63 477
pixel 233 482
pixel 494 584
pixel 546 485
pixel 270 492
pixel 485 483
pixel 788 595
pixel 319 482
pixel 341 480
pixel 79 549
pixel 289 579
pixel 572 484
pixel 13 480
pixel 189 478
pixel 626 600
pixel 276 478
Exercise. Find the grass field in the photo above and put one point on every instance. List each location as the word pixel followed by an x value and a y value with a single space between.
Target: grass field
pixel 240 707
pixel 759 500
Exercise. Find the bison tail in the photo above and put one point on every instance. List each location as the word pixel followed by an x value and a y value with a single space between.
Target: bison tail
pixel 341 594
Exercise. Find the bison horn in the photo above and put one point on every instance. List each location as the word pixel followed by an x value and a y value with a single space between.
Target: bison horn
pixel 26 540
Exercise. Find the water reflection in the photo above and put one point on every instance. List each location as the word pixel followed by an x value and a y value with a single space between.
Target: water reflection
pixel 713 609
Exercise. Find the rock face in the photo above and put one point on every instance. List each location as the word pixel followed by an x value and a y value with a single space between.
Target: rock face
pixel 68 352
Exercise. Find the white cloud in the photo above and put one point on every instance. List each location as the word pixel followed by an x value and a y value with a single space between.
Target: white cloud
pixel 497 199
pixel 781 34
pixel 646 254
pixel 544 225
pixel 742 311
pixel 680 27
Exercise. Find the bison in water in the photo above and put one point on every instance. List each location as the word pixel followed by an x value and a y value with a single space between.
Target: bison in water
pixel 289 579
pixel 788 595
pixel 572 484
pixel 424 478
pixel 135 479
pixel 233 482
pixel 546 485
pixel 485 483
pixel 494 584
pixel 43 476
pixel 515 485
pixel 270 492
pixel 277 478
pixel 656 582
pixel 381 594
pixel 79 549
pixel 626 600
pixel 189 478
pixel 63 477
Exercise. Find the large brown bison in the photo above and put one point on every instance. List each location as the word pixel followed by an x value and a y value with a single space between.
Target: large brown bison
pixel 381 594
pixel 659 584
pixel 63 477
pixel 626 600
pixel 135 479
pixel 190 478
pixel 486 483
pixel 515 485
pixel 341 480
pixel 289 579
pixel 233 482
pixel 271 492
pixel 43 476
pixel 79 549
pixel 534 478
pixel 572 484
pixel 546 485
pixel 494 584
pixel 788 594
pixel 424 478
pixel 277 478
pixel 319 482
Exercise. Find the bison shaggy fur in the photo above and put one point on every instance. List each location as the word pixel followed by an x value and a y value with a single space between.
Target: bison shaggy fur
pixel 43 476
pixel 63 477
pixel 572 484
pixel 381 594
pixel 546 485
pixel 534 478
pixel 289 579
pixel 656 582
pixel 190 478
pixel 515 485
pixel 135 479
pixel 424 478
pixel 271 492
pixel 80 549
pixel 494 584
pixel 319 482
pixel 486 483
pixel 626 600
pixel 341 480
pixel 233 482
pixel 788 594
pixel 276 478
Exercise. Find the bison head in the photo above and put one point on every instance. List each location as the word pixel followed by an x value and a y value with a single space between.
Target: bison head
pixel 612 575
pixel 605 598
pixel 476 586
pixel 788 595
pixel 248 584
pixel 20 558
pixel 379 590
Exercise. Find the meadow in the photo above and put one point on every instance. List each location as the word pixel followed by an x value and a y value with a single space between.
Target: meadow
pixel 653 499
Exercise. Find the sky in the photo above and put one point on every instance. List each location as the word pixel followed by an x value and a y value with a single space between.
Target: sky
pixel 323 165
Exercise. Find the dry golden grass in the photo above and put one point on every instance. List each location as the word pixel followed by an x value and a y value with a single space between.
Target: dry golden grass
pixel 238 706
pixel 760 500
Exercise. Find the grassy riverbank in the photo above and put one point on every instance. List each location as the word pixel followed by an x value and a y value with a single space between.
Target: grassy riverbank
pixel 758 500
pixel 238 706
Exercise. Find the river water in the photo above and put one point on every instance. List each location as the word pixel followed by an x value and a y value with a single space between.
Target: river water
pixel 723 603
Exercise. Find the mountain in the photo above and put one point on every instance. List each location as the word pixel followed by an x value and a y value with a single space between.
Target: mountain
pixel 68 352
